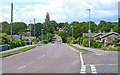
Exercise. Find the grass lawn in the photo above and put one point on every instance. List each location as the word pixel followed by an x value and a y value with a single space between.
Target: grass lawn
pixel 16 52
pixel 76 48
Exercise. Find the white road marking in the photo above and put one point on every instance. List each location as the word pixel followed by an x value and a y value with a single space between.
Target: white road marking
pixel 83 67
pixel 30 63
pixel 81 58
pixel 102 64
pixel 93 69
pixel 41 56
pixel 21 67
pixel 25 65
pixel 98 54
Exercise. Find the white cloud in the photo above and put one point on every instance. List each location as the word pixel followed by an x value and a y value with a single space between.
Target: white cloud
pixel 62 10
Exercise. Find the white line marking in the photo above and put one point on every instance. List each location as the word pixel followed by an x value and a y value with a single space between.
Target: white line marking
pixel 25 65
pixel 83 67
pixel 81 58
pixel 93 69
pixel 21 67
pixel 102 64
pixel 41 56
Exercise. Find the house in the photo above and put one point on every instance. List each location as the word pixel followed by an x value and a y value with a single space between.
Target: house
pixel 109 36
pixel 97 35
pixel 28 39
pixel 88 35
pixel 104 36
pixel 15 37
pixel 118 38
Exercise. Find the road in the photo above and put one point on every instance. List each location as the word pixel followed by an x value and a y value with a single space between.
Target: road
pixel 59 58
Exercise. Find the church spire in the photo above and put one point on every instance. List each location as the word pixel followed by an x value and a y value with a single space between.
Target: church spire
pixel 47 17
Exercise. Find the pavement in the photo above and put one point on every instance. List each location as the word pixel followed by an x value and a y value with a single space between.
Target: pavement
pixel 14 49
pixel 96 51
pixel 59 58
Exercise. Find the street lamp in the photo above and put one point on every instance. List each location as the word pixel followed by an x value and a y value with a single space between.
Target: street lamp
pixel 47 36
pixel 89 31
pixel 30 29
pixel 11 20
pixel 72 33
pixel 42 34
pixel 34 27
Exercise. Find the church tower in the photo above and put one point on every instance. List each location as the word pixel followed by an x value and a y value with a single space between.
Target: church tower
pixel 47 17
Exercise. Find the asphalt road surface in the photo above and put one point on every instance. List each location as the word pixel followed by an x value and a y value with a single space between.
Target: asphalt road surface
pixel 59 58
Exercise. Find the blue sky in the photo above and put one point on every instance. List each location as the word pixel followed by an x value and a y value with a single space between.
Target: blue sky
pixel 60 10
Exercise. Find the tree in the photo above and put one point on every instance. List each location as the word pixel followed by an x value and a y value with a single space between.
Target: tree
pixel 4 38
pixel 6 27
pixel 19 27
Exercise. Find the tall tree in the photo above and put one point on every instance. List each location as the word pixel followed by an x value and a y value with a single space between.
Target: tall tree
pixel 5 27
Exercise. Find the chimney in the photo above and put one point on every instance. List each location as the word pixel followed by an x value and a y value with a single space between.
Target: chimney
pixel 100 31
pixel 111 30
pixel 103 32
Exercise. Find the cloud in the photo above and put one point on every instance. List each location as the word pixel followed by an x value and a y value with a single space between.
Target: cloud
pixel 60 10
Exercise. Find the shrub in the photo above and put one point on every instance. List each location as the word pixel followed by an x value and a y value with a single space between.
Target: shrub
pixel 85 42
pixel 69 39
pixel 96 44
pixel 15 43
pixel 81 40
pixel 4 38
pixel 45 41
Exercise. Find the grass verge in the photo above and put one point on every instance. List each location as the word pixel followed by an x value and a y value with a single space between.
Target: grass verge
pixel 16 52
pixel 76 48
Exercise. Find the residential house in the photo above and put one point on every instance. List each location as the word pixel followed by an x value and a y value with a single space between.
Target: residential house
pixel 109 36
pixel 104 36
pixel 15 37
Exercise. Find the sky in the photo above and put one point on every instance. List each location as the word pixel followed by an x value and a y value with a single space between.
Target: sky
pixel 59 10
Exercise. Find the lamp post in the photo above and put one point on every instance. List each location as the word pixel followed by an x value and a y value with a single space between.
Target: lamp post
pixel 42 34
pixel 11 20
pixel 30 29
pixel 89 31
pixel 72 33
pixel 34 27
pixel 47 37
pixel 30 32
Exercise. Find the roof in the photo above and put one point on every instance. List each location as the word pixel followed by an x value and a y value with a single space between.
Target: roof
pixel 87 35
pixel 15 37
pixel 98 34
pixel 118 38
pixel 110 33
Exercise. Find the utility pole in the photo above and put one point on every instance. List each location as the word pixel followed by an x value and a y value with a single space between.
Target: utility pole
pixel 47 37
pixel 34 27
pixel 11 20
pixel 30 29
pixel 42 35
pixel 30 32
pixel 72 33
pixel 89 31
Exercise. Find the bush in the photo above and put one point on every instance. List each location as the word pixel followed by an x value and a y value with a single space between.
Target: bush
pixel 22 43
pixel 15 44
pixel 4 38
pixel 85 42
pixel 81 40
pixel 45 41
pixel 69 39
pixel 96 44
